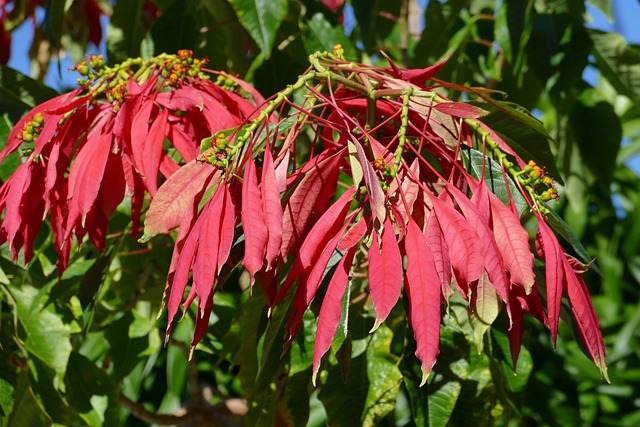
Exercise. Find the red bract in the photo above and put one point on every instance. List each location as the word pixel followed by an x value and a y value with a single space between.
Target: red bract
pixel 396 149
pixel 115 136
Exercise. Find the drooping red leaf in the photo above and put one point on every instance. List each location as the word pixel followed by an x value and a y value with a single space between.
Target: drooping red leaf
pixel 492 259
pixel 324 230
pixel 515 330
pixel 174 197
pixel 85 177
pixel 139 133
pixel 299 207
pixel 551 252
pixel 253 222
pixel 153 151
pixel 215 240
pixel 424 292
pixel 331 309
pixel 385 272
pixel 272 208
pixel 227 228
pixel 440 254
pixel 375 194
pixel 308 285
pixel 585 317
pixel 513 242
pixel 465 248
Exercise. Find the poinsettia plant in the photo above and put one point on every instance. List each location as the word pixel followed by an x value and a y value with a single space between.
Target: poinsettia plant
pixel 354 182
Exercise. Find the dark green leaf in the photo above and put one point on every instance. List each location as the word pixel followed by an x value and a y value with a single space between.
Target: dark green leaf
pixel 11 162
pixel 618 62
pixel 176 29
pixel 522 132
pixel 598 132
pixel 54 21
pixel 495 179
pixel 6 398
pixel 84 381
pixel 261 18
pixel 320 36
pixel 46 336
pixel 126 31
pixel 371 389
pixel 125 351
pixel 376 20
pixel 26 410
pixel 19 93
pixel 514 383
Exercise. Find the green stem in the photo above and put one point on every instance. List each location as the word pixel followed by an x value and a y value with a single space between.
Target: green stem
pixel 402 132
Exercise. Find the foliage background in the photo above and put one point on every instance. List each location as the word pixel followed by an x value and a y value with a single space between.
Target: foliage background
pixel 71 350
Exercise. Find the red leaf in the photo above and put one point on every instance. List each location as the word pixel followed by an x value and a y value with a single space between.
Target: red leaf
pixel 298 209
pixel 152 153
pixel 492 259
pixel 327 227
pixel 253 222
pixel 515 330
pixel 308 286
pixel 585 316
pixel 353 236
pixel 272 207
pixel 418 76
pixel 423 290
pixel 460 109
pixel 551 252
pixel 513 242
pixel 85 178
pixel 385 272
pixel 175 196
pixel 183 99
pixel 215 240
pixel 440 254
pixel 331 310
pixel 465 248
pixel 139 134
pixel 375 194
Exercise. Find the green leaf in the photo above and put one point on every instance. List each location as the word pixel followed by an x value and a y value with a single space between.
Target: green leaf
pixel 84 381
pixel 495 179
pixel 485 310
pixel 604 6
pixel 598 132
pixel 522 132
pixel 177 28
pixel 46 336
pixel 320 36
pixel 11 162
pixel 376 20
pixel 19 92
pixel 26 411
pixel 261 18
pixel 54 21
pixel 514 382
pixel 6 398
pixel 125 351
pixel 371 389
pixel 618 62
pixel 126 31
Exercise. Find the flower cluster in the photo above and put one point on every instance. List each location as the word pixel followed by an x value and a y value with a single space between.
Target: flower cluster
pixel 121 134
pixel 404 215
